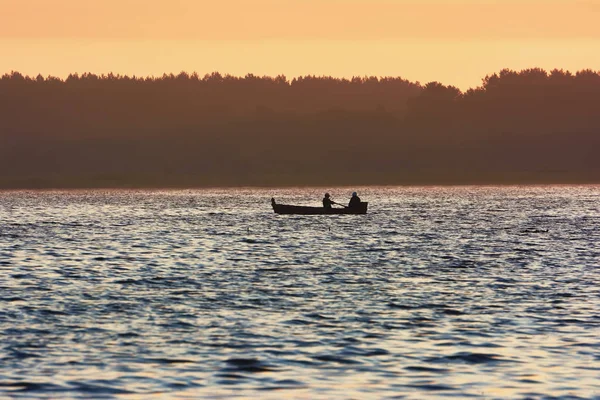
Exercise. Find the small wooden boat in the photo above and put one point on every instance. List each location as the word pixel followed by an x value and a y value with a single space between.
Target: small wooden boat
pixel 303 210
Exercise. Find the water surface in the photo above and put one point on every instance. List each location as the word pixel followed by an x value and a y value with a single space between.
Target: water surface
pixel 461 292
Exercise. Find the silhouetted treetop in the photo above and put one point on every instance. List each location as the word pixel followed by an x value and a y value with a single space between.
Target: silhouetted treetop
pixel 186 129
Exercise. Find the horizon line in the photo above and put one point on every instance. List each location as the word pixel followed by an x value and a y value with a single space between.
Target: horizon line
pixel 288 79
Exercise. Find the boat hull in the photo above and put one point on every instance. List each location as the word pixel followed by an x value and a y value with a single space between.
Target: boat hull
pixel 302 210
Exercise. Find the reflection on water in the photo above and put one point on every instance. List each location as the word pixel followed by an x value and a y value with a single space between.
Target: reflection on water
pixel 437 292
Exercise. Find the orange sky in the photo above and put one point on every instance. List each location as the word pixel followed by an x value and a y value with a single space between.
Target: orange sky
pixel 453 41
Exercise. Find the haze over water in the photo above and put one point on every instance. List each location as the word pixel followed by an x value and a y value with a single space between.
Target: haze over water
pixel 462 292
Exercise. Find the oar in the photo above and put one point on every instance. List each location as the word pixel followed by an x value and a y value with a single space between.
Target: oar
pixel 338 204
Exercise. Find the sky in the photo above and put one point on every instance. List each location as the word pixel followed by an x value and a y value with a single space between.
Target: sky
pixel 452 41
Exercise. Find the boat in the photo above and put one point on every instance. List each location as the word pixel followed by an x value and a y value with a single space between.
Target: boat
pixel 305 210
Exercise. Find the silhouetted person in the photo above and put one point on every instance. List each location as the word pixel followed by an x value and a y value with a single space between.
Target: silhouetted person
pixel 354 201
pixel 327 202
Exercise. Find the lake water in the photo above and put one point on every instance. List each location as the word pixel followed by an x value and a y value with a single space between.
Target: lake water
pixel 439 292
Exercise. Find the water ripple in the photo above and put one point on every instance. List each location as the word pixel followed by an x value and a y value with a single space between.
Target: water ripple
pixel 462 292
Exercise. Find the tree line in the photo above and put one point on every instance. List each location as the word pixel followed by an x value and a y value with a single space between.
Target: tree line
pixel 529 126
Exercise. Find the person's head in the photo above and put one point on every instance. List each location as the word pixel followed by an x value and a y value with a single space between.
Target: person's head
pixel 327 195
pixel 354 194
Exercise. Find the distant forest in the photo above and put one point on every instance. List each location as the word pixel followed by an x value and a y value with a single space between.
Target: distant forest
pixel 529 126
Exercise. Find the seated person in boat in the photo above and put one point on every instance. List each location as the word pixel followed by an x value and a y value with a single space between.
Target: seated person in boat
pixel 354 201
pixel 327 202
